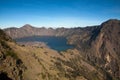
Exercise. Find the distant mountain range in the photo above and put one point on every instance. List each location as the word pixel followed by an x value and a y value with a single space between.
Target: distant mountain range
pixel 28 30
pixel 96 55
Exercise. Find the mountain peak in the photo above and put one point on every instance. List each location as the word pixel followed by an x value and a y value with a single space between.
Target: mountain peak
pixel 27 26
pixel 110 24
pixel 111 21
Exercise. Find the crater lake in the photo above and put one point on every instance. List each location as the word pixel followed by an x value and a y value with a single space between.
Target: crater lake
pixel 56 43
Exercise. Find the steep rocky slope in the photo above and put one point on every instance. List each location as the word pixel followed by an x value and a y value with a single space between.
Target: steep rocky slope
pixel 106 47
pixel 102 48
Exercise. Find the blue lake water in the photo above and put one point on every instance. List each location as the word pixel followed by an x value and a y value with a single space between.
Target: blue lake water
pixel 57 43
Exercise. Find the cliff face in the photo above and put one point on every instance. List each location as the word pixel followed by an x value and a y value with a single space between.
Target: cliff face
pixel 106 47
pixel 95 57
pixel 101 47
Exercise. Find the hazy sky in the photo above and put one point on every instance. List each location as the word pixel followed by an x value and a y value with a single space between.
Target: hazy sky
pixel 57 13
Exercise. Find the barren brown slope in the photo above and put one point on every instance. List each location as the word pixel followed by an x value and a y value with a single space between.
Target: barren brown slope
pixel 11 66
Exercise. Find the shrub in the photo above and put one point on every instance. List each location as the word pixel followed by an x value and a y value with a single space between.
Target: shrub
pixel 12 54
pixel 4 45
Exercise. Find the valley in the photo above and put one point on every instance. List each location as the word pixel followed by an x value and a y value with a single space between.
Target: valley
pixel 95 55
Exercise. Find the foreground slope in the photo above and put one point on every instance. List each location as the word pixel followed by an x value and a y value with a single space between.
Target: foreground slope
pixel 10 64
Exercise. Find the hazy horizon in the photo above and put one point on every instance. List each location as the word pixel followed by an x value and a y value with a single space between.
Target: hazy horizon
pixel 57 13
